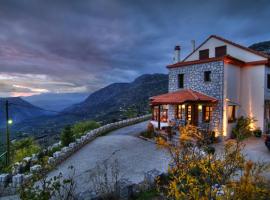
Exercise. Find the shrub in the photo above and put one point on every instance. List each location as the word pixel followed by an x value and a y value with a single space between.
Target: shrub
pixel 23 148
pixel 198 172
pixel 80 128
pixel 257 133
pixel 149 133
pixel 242 129
pixel 67 136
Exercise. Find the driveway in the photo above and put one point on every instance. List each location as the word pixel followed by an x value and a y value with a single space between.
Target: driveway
pixel 135 156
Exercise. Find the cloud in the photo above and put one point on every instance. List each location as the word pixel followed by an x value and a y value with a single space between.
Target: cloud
pixel 80 46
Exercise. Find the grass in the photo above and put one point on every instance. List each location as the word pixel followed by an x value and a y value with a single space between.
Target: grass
pixel 149 195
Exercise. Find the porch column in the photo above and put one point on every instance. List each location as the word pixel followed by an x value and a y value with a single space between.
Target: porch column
pixel 158 116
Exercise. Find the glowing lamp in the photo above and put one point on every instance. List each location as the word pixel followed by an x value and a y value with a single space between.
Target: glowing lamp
pixel 200 107
pixel 183 106
pixel 10 121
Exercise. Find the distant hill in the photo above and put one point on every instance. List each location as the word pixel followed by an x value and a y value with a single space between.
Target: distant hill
pixel 57 102
pixel 19 110
pixel 114 102
pixel 262 47
pixel 119 98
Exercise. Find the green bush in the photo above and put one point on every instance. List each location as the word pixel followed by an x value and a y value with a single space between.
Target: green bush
pixel 23 148
pixel 80 128
pixel 257 133
pixel 67 136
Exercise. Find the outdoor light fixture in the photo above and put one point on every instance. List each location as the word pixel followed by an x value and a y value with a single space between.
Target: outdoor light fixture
pixel 10 121
pixel 200 107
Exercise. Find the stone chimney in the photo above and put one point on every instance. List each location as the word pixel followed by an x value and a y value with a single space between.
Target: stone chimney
pixel 177 50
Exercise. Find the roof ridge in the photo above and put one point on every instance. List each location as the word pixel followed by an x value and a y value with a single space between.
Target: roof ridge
pixel 192 93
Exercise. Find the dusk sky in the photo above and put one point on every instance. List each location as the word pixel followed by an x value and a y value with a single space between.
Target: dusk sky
pixel 81 46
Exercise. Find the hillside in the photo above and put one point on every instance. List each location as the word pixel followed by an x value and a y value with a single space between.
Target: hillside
pixel 114 102
pixel 261 46
pixel 56 101
pixel 19 110
pixel 119 98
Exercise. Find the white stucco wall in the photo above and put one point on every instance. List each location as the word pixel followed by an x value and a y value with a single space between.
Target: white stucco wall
pixel 252 93
pixel 231 50
pixel 232 93
pixel 267 91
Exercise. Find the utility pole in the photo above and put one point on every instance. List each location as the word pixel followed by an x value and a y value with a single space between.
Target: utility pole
pixel 8 136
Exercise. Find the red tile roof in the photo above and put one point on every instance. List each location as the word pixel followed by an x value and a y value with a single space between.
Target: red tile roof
pixel 181 96
pixel 231 43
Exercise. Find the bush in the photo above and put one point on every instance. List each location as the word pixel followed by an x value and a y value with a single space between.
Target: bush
pixel 67 136
pixel 257 133
pixel 23 148
pixel 80 128
pixel 242 129
pixel 149 133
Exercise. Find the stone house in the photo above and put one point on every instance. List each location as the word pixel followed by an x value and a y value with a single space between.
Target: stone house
pixel 215 84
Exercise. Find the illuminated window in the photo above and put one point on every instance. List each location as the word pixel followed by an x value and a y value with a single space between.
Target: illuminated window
pixel 189 113
pixel 180 111
pixel 231 114
pixel 163 113
pixel 207 113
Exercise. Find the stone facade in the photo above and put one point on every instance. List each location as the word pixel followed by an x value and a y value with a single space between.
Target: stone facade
pixel 194 79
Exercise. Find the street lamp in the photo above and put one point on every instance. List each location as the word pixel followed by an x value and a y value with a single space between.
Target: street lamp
pixel 10 121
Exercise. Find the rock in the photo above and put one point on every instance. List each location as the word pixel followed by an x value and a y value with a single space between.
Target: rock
pixel 35 168
pixel 17 180
pixel 4 179
pixel 51 160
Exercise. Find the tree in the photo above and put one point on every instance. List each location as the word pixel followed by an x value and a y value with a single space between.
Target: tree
pixel 67 136
pixel 81 127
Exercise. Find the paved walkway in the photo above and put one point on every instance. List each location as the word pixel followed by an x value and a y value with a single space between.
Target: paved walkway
pixel 135 156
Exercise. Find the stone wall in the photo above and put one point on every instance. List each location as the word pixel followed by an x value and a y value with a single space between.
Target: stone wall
pixel 194 79
pixel 9 182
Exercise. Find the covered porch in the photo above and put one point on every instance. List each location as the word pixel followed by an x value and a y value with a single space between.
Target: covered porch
pixel 183 107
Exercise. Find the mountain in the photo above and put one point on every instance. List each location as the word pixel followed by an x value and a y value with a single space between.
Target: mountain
pixel 261 46
pixel 119 99
pixel 114 102
pixel 19 110
pixel 54 101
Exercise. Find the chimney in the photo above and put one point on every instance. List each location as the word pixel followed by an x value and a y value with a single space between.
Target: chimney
pixel 177 50
pixel 193 45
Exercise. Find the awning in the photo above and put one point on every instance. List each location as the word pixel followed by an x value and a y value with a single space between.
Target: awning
pixel 182 96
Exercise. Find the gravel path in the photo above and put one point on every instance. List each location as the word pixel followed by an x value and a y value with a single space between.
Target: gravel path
pixel 135 156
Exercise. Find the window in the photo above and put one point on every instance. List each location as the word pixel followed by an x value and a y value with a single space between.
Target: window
pixel 189 113
pixel 180 111
pixel 268 81
pixel 163 113
pixel 204 54
pixel 180 80
pixel 231 114
pixel 220 51
pixel 207 76
pixel 207 113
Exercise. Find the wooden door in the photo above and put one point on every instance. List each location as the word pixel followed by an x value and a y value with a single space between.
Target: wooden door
pixel 192 114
